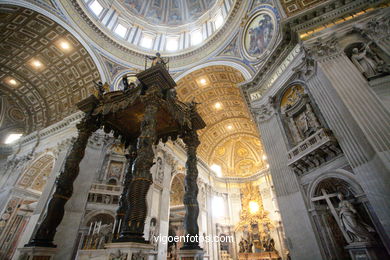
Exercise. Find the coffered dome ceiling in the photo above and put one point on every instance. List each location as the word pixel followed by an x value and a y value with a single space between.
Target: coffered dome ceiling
pixel 44 71
pixel 230 139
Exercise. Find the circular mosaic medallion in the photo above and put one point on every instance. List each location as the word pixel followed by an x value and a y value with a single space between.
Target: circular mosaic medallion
pixel 259 34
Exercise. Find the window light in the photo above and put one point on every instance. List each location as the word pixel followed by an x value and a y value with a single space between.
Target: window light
pixel 120 30
pixel 218 21
pixel 217 169
pixel 12 138
pixel 96 7
pixel 196 37
pixel 172 44
pixel 146 41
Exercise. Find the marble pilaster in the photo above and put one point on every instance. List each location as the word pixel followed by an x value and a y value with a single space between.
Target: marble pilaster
pixel 302 239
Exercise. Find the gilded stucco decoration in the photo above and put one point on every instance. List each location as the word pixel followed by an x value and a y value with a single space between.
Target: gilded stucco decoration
pixel 239 156
pixel 118 149
pixel 36 175
pixel 254 223
pixel 230 138
pixel 43 78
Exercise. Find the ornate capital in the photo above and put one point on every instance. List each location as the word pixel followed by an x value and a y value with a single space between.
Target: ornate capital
pixel 265 111
pixel 307 68
pixel 323 48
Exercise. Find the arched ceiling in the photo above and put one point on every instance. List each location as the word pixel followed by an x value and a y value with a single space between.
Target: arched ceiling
pixel 168 12
pixel 228 124
pixel 44 69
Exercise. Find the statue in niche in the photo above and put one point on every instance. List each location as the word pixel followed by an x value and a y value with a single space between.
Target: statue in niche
pixel 104 235
pixel 153 233
pixel 368 63
pixel 159 170
pixel 357 230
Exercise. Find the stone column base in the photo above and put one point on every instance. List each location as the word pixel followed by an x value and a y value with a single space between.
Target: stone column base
pixel 191 254
pixel 120 250
pixel 364 251
pixel 42 253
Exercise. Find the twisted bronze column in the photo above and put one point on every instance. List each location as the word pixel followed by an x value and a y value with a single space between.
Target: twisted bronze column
pixel 191 205
pixel 123 203
pixel 133 228
pixel 64 187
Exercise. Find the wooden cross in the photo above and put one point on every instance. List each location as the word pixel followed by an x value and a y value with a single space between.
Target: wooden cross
pixel 325 196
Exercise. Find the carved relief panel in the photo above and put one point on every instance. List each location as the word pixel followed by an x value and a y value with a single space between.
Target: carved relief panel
pixel 298 114
pixel 311 144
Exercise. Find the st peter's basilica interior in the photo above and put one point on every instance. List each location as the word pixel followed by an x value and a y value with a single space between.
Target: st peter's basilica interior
pixel 195 129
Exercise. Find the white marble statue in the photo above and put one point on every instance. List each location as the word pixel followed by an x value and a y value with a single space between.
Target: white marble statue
pixel 357 230
pixel 366 61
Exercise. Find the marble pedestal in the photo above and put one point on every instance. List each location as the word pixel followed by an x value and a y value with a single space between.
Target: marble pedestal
pixel 363 251
pixel 192 254
pixel 42 253
pixel 122 251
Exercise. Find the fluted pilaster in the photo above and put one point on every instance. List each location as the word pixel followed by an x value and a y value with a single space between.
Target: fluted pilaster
pixel 301 237
pixel 358 119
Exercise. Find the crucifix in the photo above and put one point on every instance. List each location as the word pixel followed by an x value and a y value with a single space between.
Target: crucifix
pixel 325 196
